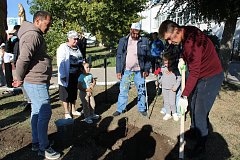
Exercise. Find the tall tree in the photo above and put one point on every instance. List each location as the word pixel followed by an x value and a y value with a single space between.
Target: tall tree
pixel 218 10
pixel 3 20
pixel 107 19
pixel 110 19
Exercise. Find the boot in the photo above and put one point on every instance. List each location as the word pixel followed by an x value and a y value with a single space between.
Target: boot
pixel 199 150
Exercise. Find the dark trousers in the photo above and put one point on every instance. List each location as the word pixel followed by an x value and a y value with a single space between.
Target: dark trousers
pixel 202 101
pixel 8 74
pixel 155 61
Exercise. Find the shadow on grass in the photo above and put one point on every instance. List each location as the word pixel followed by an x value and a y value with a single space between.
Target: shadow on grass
pixel 97 50
pixel 16 118
pixel 230 87
pixel 216 148
pixel 54 96
pixel 23 154
pixel 106 99
pixel 140 146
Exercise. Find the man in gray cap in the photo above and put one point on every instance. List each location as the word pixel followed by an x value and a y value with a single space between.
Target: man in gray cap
pixel 132 63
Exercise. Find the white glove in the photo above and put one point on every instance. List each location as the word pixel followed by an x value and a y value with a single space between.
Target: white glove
pixel 180 64
pixel 183 104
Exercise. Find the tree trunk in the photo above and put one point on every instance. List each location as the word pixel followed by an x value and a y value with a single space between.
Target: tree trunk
pixel 3 19
pixel 226 42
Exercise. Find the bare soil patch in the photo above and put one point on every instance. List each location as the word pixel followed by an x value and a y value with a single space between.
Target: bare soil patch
pixel 129 136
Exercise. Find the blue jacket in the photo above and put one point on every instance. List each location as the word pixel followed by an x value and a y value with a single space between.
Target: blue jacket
pixel 143 53
pixel 157 47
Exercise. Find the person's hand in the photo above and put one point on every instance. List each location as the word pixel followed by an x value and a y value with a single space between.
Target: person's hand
pixel 145 74
pixel 183 104
pixel 181 64
pixel 91 86
pixel 17 83
pixel 89 93
pixel 174 90
pixel 9 36
pixel 119 76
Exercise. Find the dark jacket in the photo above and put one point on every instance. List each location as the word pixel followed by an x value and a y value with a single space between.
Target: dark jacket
pixel 143 53
pixel 13 47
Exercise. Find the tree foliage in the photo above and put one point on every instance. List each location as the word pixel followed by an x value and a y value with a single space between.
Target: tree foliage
pixel 107 19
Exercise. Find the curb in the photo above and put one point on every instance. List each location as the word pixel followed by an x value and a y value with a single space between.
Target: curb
pixel 55 86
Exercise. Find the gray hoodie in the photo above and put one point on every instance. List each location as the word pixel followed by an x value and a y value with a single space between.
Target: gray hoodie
pixel 33 64
pixel 169 80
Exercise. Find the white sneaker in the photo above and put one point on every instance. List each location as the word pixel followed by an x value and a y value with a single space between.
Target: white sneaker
pixel 88 120
pixel 175 117
pixel 95 116
pixel 68 116
pixel 167 117
pixel 76 113
pixel 162 112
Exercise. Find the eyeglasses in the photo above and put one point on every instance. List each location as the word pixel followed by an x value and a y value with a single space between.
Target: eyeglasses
pixel 75 39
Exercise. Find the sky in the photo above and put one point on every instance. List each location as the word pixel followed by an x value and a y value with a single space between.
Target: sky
pixel 12 8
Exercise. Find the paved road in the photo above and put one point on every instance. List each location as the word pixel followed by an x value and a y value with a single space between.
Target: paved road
pixel 233 76
pixel 99 73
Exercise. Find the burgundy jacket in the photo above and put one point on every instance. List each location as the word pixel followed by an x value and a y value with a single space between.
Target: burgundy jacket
pixel 201 57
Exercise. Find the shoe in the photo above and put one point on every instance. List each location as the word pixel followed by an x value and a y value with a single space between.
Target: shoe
pixel 88 120
pixel 35 146
pixel 144 113
pixel 76 113
pixel 175 117
pixel 199 152
pixel 95 116
pixel 191 134
pixel 163 111
pixel 49 154
pixel 159 92
pixel 167 117
pixel 116 113
pixel 68 116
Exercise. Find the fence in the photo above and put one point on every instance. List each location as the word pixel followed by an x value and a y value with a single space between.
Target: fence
pixel 97 60
pixel 235 54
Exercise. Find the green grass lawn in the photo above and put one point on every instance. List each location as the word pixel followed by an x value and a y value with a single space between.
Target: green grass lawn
pixel 96 56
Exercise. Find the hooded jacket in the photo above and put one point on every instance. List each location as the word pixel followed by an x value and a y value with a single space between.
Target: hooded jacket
pixel 33 64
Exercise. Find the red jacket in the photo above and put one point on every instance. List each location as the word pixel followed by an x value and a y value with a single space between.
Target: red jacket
pixel 201 57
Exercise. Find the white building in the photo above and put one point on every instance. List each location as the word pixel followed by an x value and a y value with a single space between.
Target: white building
pixel 155 14
pixel 11 22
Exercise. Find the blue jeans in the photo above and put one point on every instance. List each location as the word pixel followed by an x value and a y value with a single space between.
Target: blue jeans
pixel 202 101
pixel 40 114
pixel 125 82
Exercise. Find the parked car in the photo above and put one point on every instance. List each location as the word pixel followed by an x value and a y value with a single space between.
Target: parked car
pixel 91 40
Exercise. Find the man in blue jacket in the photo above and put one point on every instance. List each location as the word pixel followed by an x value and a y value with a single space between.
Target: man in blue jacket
pixel 132 63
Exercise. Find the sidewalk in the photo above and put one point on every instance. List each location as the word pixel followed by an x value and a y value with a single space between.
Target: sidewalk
pixel 233 76
pixel 99 73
